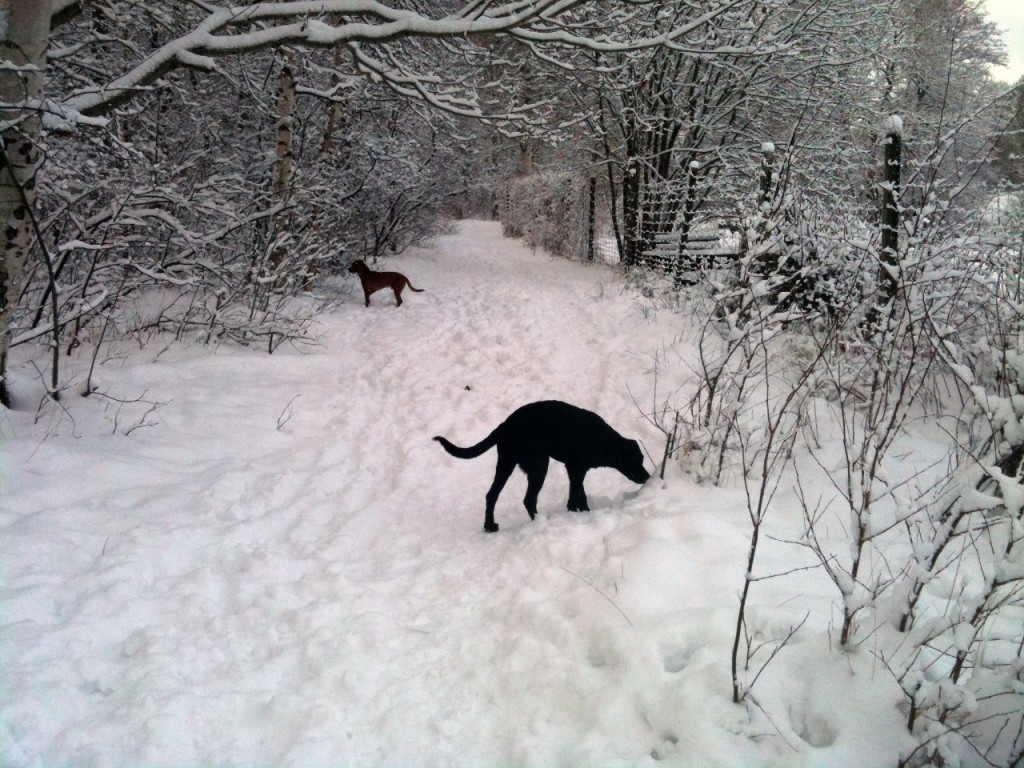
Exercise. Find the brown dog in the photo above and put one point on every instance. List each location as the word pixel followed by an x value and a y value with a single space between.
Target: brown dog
pixel 375 281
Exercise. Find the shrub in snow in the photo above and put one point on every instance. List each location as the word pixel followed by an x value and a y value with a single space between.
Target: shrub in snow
pixel 547 211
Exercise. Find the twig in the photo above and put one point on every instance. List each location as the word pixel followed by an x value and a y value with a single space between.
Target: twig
pixel 750 697
pixel 775 651
pixel 602 594
pixel 286 413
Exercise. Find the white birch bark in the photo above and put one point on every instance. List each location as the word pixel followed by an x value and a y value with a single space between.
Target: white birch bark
pixel 282 174
pixel 285 108
pixel 24 33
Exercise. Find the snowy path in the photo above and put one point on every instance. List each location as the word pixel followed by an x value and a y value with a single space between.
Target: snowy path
pixel 222 589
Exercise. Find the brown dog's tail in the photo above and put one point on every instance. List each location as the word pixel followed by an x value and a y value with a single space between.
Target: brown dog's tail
pixel 412 287
pixel 473 451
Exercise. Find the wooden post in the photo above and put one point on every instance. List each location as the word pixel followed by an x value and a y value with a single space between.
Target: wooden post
pixel 591 216
pixel 888 273
pixel 767 262
pixel 767 171
pixel 685 263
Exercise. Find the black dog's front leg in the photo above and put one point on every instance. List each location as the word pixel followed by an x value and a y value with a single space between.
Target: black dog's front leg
pixel 577 496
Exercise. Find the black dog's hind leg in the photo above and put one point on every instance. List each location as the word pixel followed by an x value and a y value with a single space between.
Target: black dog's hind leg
pixel 501 475
pixel 536 470
pixel 577 496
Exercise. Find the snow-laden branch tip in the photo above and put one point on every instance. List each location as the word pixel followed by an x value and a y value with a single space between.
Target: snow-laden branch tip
pixel 893 126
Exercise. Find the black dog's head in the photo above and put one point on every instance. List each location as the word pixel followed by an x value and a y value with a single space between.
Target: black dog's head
pixel 631 462
pixel 356 265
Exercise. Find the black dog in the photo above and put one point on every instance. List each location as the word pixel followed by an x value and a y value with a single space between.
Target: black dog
pixel 547 430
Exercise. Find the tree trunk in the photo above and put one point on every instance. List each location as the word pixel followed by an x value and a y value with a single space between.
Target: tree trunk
pixel 281 184
pixel 525 157
pixel 285 132
pixel 631 247
pixel 26 34
pixel 333 108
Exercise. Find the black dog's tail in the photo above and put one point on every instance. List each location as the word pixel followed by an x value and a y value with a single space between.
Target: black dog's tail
pixel 473 451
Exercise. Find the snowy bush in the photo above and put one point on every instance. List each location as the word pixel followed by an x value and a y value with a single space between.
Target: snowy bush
pixel 547 211
pixel 828 398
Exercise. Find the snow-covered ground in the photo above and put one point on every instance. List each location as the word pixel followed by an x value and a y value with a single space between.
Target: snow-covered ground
pixel 279 567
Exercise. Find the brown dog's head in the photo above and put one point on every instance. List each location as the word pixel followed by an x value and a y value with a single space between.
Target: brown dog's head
pixel 356 266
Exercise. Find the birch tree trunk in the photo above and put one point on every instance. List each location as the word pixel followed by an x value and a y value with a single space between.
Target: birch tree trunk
pixel 333 113
pixel 24 33
pixel 285 106
pixel 281 184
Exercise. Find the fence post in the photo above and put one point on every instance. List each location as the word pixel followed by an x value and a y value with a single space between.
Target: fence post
pixel 591 217
pixel 768 262
pixel 888 273
pixel 683 260
pixel 767 171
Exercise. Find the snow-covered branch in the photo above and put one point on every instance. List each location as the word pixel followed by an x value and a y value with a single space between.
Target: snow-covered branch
pixel 235 30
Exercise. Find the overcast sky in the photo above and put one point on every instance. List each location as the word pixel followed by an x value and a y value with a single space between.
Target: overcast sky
pixel 1009 15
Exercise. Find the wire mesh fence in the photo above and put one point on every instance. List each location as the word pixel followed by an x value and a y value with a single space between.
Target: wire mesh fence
pixel 565 214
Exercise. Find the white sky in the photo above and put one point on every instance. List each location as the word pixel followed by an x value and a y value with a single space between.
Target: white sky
pixel 1009 15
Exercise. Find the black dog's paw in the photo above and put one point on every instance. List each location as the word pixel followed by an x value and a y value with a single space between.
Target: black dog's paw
pixel 491 528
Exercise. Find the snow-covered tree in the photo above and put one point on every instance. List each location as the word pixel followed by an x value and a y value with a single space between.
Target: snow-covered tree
pixel 681 129
pixel 1010 145
pixel 143 81
pixel 25 28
